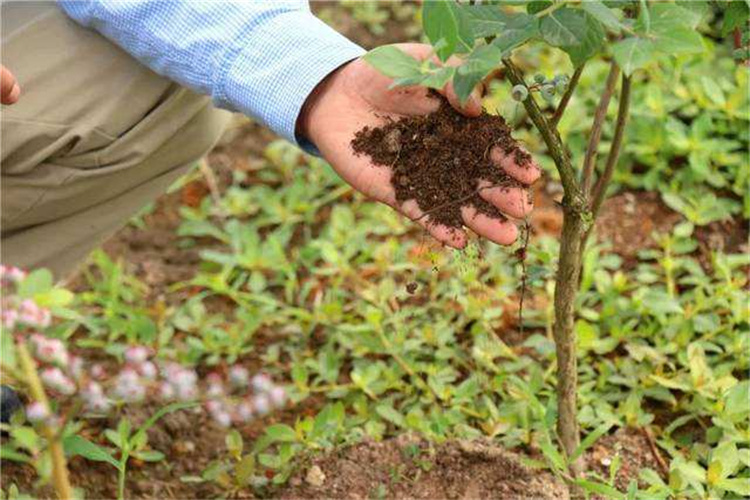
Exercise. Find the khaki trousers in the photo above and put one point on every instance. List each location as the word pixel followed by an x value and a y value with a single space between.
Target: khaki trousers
pixel 94 137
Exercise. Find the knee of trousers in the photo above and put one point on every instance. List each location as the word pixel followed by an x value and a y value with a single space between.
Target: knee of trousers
pixel 176 134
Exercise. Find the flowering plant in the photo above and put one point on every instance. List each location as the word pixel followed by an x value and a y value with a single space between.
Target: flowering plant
pixel 43 368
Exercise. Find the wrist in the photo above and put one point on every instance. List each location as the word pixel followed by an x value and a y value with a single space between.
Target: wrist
pixel 315 107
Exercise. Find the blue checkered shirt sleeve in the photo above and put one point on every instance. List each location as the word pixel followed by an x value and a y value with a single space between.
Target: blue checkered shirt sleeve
pixel 258 57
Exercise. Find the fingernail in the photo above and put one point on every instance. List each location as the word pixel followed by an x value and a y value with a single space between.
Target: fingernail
pixel 15 93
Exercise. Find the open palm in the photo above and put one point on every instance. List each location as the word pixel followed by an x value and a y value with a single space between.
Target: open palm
pixel 356 96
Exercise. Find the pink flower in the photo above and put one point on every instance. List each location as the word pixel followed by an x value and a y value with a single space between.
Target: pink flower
pixel 50 350
pixel 56 380
pixel 136 354
pixel 167 391
pixel 10 275
pixel 32 315
pixel 94 398
pixel 261 404
pixel 128 386
pixel 277 395
pixel 9 318
pixel 244 411
pixel 215 386
pixel 239 377
pixel 97 372
pixel 76 367
pixel 36 412
pixel 147 370
pixel 219 413
pixel 262 382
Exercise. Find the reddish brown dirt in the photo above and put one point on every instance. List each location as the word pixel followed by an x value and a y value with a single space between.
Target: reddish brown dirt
pixel 411 468
pixel 439 160
pixel 629 221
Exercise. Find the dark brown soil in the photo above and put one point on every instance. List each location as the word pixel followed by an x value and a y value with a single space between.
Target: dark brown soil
pixel 440 159
pixel 406 467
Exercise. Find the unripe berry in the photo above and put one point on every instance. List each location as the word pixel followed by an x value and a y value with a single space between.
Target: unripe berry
pixel 519 93
pixel 548 93
pixel 540 78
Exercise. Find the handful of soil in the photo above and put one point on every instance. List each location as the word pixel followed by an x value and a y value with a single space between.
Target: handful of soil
pixel 439 159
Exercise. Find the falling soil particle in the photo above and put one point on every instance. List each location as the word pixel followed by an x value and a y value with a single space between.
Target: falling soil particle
pixel 411 288
pixel 407 467
pixel 439 160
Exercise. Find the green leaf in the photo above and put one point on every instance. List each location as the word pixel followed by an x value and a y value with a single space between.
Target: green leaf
pixel 245 469
pixel 490 20
pixel 602 489
pixel 603 14
pixel 435 79
pixel 633 53
pixel 149 455
pixel 727 455
pixel 393 62
pixel 234 443
pixel 538 6
pixel 444 20
pixel 737 485
pixel 480 63
pixel 665 16
pixel 591 438
pixel 391 415
pixel 590 45
pixel 736 15
pixel 37 282
pixel 564 27
pixel 673 29
pixel 282 433
pixel 8 453
pixel 552 455
pixel 77 445
pixel 736 401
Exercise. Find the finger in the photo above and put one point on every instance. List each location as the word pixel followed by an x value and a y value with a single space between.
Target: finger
pixel 502 232
pixel 473 105
pixel 9 89
pixel 527 173
pixel 452 237
pixel 511 201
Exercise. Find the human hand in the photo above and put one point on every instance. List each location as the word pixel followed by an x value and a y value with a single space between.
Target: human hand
pixel 357 95
pixel 10 91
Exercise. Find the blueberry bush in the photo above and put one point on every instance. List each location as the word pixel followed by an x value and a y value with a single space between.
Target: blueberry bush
pixel 632 35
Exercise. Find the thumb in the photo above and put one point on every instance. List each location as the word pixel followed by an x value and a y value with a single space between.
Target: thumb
pixel 9 88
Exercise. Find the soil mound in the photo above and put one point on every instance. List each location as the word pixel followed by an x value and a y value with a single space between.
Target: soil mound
pixel 409 468
pixel 439 159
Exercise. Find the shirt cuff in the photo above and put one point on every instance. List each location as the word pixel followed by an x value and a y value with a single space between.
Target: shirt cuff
pixel 271 83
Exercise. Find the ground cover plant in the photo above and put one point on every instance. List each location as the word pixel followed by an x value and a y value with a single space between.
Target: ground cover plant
pixel 406 365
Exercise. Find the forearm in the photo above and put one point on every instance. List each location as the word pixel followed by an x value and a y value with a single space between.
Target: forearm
pixel 259 58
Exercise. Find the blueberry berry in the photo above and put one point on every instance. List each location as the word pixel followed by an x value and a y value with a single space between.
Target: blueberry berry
pixel 519 93
pixel 540 78
pixel 548 92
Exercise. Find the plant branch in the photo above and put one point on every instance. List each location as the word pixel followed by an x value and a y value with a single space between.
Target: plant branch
pixel 60 478
pixel 589 161
pixel 552 139
pixel 567 95
pixel 600 190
